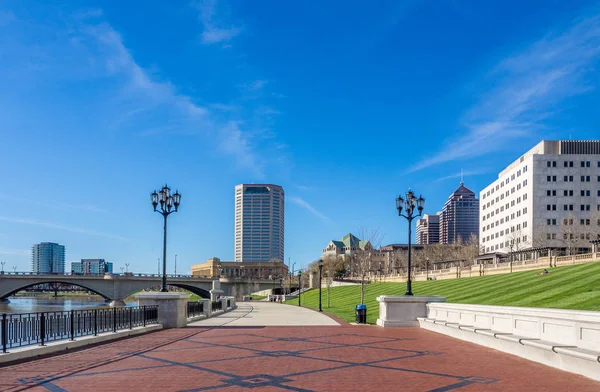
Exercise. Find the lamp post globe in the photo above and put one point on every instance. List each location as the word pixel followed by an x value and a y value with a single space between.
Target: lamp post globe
pixel 165 203
pixel 413 207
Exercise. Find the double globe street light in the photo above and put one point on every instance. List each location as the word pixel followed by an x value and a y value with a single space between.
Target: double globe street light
pixel 168 204
pixel 408 204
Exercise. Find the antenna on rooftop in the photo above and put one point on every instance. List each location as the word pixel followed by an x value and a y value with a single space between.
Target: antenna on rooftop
pixel 461 177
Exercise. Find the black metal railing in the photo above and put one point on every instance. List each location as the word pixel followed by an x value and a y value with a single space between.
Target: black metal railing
pixel 25 329
pixel 217 305
pixel 195 309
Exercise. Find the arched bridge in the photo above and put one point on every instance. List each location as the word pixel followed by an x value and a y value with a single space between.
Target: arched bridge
pixel 116 288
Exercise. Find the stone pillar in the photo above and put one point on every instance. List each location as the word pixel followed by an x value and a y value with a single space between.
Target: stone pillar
pixel 207 306
pixel 216 290
pixel 172 307
pixel 402 311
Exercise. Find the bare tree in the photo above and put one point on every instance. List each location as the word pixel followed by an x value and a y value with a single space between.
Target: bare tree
pixel 541 235
pixel 515 241
pixel 570 231
pixel 362 258
pixel 471 249
pixel 331 265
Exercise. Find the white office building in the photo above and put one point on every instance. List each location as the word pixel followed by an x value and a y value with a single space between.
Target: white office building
pixel 48 258
pixel 548 199
pixel 259 223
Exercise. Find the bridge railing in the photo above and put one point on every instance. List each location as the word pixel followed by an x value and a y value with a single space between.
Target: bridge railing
pixel 23 329
pixel 127 274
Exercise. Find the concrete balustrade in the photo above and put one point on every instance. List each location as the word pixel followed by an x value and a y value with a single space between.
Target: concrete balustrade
pixel 564 339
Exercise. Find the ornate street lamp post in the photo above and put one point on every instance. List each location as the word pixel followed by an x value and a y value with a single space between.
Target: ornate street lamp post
pixel 409 204
pixel 320 279
pixel 427 268
pixel 168 204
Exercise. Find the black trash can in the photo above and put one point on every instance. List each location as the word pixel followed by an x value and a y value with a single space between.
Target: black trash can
pixel 361 314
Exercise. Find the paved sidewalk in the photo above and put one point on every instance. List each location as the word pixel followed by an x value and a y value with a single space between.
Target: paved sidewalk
pixel 258 313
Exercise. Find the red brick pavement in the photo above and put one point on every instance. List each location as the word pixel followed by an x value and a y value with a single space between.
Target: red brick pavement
pixel 346 358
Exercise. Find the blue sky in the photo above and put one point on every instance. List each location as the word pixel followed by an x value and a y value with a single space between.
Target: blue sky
pixel 344 104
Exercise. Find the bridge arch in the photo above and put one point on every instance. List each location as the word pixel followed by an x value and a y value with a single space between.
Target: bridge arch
pixel 14 290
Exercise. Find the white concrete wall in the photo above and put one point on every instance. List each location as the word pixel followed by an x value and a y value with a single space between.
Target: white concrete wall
pixel 564 339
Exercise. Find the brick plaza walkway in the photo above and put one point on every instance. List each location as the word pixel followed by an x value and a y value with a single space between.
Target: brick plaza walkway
pixel 300 358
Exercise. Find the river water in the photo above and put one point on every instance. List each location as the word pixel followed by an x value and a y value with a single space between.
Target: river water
pixel 37 304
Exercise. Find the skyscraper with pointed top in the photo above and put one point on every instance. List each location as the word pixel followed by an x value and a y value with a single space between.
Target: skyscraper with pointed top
pixel 460 216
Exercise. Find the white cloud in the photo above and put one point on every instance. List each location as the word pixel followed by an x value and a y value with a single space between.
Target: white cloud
pixel 55 204
pixel 302 203
pixel 51 225
pixel 215 30
pixel 463 174
pixel 83 48
pixel 527 85
pixel 187 115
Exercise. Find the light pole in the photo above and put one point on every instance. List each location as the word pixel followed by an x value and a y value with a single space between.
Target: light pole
pixel 15 269
pixel 126 267
pixel 2 262
pixel 409 204
pixel 427 268
pixel 168 204
pixel 320 279
pixel 299 286
pixel 292 274
pixel 122 268
pixel 175 265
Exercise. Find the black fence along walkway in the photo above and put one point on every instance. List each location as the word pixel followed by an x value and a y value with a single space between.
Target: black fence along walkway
pixel 25 329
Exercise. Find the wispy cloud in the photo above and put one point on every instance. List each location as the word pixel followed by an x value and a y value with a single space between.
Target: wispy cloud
pixel 526 86
pixel 215 29
pixel 187 117
pixel 304 204
pixel 466 173
pixel 51 225
pixel 82 47
pixel 57 205
pixel 15 252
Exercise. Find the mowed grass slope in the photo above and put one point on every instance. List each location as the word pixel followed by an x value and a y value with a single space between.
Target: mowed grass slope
pixel 572 287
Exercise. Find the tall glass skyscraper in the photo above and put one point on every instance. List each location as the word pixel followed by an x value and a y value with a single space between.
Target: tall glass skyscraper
pixel 460 216
pixel 259 222
pixel 48 257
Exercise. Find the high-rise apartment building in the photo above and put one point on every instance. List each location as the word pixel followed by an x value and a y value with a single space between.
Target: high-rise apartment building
pixel 460 216
pixel 259 222
pixel 548 198
pixel 48 258
pixel 91 267
pixel 428 229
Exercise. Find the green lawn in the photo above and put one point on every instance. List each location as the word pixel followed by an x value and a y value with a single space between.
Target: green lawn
pixel 573 287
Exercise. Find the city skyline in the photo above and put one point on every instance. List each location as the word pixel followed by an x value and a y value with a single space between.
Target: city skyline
pixel 102 101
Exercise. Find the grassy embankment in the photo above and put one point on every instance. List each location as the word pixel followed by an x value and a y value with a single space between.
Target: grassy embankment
pixel 572 287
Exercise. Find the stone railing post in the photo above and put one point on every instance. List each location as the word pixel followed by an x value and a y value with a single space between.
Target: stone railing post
pixel 206 307
pixel 402 311
pixel 172 307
